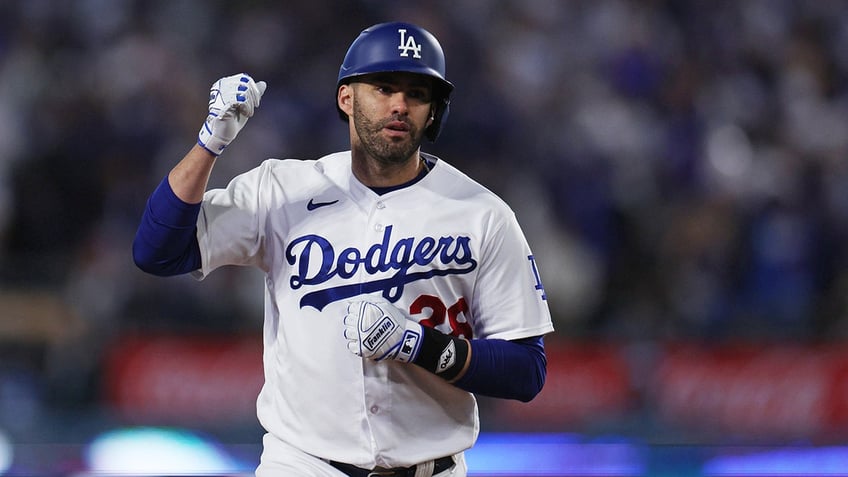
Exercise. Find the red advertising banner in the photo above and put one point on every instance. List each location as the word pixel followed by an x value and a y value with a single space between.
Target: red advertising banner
pixel 777 392
pixel 185 378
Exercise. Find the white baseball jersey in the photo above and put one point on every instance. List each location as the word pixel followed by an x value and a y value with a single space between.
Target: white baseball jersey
pixel 445 250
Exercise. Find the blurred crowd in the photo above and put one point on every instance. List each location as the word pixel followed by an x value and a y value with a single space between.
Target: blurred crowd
pixel 679 167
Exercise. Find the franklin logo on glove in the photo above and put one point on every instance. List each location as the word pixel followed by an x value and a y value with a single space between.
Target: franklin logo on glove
pixel 379 333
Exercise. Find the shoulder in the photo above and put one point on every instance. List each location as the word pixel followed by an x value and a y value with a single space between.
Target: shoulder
pixel 278 179
pixel 456 184
pixel 299 168
pixel 337 161
pixel 330 160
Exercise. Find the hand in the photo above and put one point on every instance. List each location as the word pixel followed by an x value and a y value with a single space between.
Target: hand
pixel 379 331
pixel 232 101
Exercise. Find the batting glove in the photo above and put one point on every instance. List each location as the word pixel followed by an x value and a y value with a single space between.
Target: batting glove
pixel 232 101
pixel 379 331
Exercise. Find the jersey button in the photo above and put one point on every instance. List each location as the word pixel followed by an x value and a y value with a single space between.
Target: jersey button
pixel 374 409
pixel 378 227
pixel 381 205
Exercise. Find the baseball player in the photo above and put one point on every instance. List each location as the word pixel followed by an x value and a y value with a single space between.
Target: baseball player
pixel 396 287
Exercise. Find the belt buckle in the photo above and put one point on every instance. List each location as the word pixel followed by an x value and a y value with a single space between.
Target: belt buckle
pixel 380 473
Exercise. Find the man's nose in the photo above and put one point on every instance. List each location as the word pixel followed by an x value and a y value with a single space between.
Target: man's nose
pixel 399 103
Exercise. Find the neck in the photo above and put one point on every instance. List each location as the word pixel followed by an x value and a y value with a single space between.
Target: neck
pixel 375 173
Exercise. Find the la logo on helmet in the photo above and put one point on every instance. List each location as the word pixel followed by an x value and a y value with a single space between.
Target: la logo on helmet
pixel 408 43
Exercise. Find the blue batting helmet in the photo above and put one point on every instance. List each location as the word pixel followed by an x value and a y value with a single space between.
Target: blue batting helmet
pixel 400 47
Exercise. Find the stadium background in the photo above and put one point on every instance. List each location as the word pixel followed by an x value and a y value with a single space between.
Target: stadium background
pixel 679 168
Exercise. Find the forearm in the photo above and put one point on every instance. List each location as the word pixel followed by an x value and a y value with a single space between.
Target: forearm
pixel 489 367
pixel 505 369
pixel 190 177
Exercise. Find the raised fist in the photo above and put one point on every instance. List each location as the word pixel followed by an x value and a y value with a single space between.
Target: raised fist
pixel 232 101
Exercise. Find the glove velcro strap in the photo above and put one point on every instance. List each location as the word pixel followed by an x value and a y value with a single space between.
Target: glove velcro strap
pixel 209 142
pixel 443 355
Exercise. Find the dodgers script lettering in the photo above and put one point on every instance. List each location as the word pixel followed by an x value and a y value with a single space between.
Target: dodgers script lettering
pixel 315 260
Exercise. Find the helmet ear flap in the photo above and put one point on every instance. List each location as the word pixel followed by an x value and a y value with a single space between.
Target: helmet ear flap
pixel 440 111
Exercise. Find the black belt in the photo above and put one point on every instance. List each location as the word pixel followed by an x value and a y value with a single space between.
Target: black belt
pixel 439 465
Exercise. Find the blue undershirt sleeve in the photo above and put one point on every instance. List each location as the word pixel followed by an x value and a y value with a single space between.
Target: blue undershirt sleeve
pixel 166 240
pixel 506 369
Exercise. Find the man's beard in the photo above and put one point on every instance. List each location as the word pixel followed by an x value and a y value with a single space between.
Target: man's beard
pixel 384 150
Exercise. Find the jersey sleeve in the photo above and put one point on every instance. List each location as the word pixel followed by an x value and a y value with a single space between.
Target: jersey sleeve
pixel 510 299
pixel 230 224
pixel 165 243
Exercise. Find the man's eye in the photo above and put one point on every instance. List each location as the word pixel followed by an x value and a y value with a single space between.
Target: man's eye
pixel 421 95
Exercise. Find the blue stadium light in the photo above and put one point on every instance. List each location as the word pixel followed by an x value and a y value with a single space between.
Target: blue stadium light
pixel 527 455
pixel 783 462
pixel 6 453
pixel 158 451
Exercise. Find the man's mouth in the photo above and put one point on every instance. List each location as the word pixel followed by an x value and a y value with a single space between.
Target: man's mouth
pixel 397 126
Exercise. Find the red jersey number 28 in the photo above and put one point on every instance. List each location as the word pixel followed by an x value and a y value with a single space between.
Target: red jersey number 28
pixel 440 312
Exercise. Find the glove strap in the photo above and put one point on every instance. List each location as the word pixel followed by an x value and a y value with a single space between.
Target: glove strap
pixel 443 355
pixel 210 142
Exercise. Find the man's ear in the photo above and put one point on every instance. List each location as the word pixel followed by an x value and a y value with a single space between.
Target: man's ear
pixel 345 99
